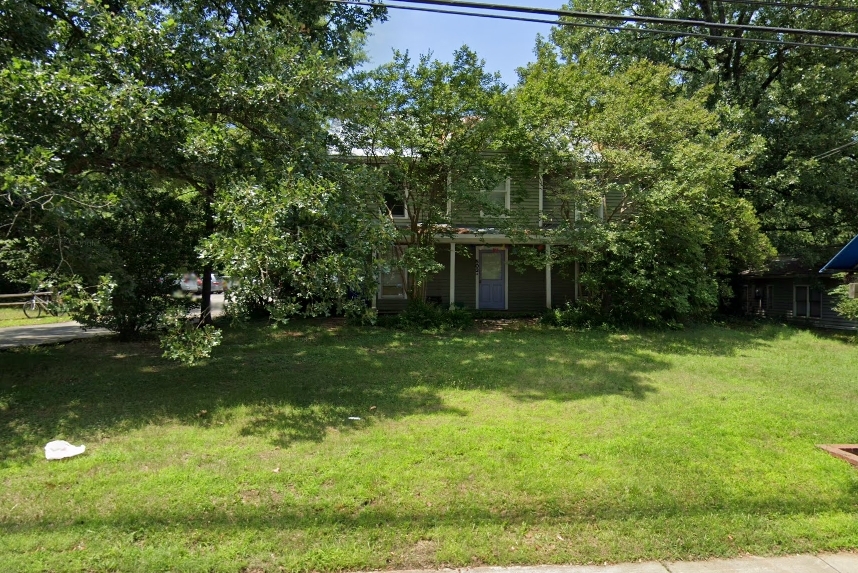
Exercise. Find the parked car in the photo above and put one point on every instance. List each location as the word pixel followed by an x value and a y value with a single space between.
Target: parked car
pixel 192 282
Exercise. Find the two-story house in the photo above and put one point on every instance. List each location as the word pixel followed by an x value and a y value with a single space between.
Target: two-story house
pixel 481 264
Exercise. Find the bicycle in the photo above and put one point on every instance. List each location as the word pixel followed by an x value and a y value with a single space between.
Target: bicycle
pixel 33 308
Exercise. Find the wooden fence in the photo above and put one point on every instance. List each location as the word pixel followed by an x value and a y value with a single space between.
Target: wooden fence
pixel 22 297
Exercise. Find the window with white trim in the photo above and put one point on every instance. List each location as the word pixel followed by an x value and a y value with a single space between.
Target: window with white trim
pixel 392 280
pixel 598 211
pixel 807 302
pixel 396 205
pixel 499 196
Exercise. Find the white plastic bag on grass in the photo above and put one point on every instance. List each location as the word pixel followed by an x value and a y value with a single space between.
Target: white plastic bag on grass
pixel 59 449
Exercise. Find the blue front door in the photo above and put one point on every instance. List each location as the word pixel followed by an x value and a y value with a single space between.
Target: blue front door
pixel 491 279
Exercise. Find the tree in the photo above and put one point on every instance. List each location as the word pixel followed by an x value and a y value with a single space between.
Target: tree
pixel 139 243
pixel 429 130
pixel 846 307
pixel 800 100
pixel 198 96
pixel 641 175
pixel 304 245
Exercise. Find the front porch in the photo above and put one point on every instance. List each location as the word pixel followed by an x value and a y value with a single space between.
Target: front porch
pixel 480 273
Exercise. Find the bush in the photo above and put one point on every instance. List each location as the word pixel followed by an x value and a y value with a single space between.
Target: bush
pixel 424 316
pixel 185 341
pixel 127 309
pixel 846 307
pixel 572 316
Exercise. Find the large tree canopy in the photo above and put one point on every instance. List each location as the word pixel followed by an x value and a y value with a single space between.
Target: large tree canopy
pixel 802 102
pixel 203 98
pixel 638 179
pixel 429 130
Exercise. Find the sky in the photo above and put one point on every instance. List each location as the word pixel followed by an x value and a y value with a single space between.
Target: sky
pixel 503 44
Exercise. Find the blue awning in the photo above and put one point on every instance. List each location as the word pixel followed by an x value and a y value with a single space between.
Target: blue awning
pixel 845 260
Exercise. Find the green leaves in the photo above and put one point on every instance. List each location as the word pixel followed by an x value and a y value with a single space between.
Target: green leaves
pixel 638 178
pixel 799 103
pixel 190 100
pixel 846 307
pixel 428 129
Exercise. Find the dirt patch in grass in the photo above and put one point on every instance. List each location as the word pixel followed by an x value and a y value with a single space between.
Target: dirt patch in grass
pixel 422 554
pixel 501 324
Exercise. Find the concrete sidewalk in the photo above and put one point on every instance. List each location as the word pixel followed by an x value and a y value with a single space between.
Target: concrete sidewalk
pixel 826 563
pixel 36 334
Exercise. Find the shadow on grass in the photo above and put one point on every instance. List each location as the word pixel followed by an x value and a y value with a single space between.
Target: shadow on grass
pixel 298 384
pixel 266 510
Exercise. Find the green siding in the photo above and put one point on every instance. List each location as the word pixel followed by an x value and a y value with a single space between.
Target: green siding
pixel 391 304
pixel 562 286
pixel 526 288
pixel 439 283
pixel 524 204
pixel 524 199
pixel 466 277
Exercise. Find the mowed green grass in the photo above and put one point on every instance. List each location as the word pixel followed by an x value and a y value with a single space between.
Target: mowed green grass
pixel 14 316
pixel 512 447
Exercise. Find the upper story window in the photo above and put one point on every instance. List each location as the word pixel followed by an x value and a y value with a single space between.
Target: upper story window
pixel 499 195
pixel 395 202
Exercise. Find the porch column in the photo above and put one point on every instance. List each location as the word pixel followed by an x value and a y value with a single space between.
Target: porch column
pixel 577 286
pixel 374 300
pixel 548 277
pixel 452 273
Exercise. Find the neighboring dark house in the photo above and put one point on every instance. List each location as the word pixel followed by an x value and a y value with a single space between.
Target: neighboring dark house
pixel 796 291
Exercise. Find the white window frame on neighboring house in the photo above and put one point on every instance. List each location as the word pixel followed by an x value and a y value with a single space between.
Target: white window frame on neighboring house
pixel 400 273
pixel 807 300
pixel 507 183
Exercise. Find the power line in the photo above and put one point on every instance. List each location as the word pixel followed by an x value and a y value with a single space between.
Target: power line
pixel 836 150
pixel 634 18
pixel 616 28
pixel 817 7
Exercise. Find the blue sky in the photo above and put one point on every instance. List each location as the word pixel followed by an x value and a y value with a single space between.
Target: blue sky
pixel 503 44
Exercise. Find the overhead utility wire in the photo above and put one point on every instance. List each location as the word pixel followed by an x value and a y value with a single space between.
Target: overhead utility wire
pixel 616 28
pixel 477 14
pixel 632 18
pixel 817 7
pixel 836 150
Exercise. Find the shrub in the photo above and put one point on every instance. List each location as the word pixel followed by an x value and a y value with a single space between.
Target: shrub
pixel 579 315
pixel 185 341
pixel 424 316
pixel 127 309
pixel 846 307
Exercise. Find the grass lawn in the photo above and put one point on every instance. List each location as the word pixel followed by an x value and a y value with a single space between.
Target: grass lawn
pixel 514 446
pixel 14 316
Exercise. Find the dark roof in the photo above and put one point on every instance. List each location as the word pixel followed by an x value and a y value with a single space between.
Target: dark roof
pixel 845 260
pixel 781 267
